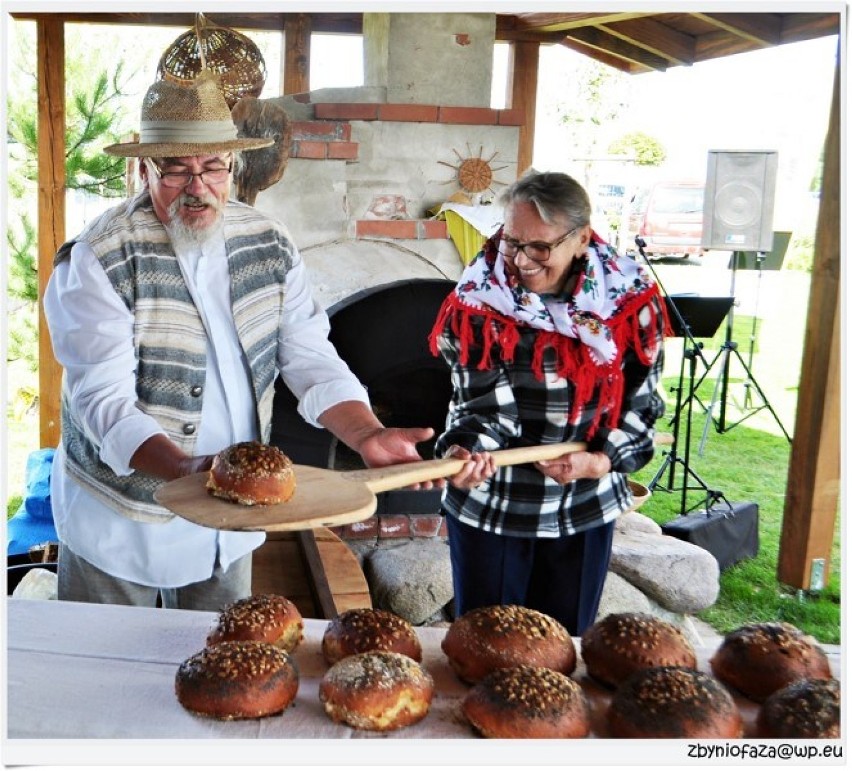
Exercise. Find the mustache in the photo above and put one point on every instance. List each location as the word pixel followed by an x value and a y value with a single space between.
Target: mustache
pixel 186 199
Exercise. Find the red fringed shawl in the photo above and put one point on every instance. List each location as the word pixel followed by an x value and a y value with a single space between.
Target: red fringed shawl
pixel 500 336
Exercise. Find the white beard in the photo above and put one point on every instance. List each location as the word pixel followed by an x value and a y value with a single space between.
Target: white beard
pixel 185 237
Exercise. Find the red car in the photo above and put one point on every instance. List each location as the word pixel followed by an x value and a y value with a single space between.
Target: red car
pixel 669 218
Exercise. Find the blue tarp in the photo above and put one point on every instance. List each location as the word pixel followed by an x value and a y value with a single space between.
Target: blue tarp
pixel 33 523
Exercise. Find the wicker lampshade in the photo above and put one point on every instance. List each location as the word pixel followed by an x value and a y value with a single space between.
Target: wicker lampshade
pixel 231 55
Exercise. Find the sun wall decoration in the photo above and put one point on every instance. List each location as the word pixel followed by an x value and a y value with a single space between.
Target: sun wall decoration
pixel 474 174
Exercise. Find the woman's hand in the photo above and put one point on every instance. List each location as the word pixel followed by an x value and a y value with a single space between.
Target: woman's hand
pixel 576 465
pixel 479 467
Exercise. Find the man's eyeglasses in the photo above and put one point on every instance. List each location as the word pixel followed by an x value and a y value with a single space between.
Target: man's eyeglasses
pixel 537 251
pixel 179 179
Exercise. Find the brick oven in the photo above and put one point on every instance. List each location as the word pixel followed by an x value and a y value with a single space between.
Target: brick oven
pixel 382 334
pixel 367 168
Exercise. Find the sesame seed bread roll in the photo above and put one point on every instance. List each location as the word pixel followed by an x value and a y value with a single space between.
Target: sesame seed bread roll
pixel 237 680
pixel 759 659
pixel 376 691
pixel 806 709
pixel 497 636
pixel 268 618
pixel 673 703
pixel 252 474
pixel 622 643
pixel 527 703
pixel 361 630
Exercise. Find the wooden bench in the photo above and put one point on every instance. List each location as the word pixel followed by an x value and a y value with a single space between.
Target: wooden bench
pixel 314 569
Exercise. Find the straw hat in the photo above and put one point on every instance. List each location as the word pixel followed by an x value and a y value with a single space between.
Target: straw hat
pixel 180 120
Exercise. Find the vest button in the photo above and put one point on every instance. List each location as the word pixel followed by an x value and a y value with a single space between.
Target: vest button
pixel 189 428
pixel 196 390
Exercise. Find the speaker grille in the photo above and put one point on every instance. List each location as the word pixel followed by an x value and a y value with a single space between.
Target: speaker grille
pixel 738 200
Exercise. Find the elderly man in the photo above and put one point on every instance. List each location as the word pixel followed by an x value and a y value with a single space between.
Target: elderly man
pixel 172 314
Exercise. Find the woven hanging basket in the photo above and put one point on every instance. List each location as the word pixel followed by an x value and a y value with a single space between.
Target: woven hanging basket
pixel 231 55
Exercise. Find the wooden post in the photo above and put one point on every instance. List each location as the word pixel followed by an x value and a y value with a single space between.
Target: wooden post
pixel 813 480
pixel 296 78
pixel 522 84
pixel 51 205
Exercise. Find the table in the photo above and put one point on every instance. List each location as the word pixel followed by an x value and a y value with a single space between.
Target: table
pixel 78 670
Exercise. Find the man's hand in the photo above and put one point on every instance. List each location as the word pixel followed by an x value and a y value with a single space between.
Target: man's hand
pixel 387 446
pixel 355 424
pixel 159 457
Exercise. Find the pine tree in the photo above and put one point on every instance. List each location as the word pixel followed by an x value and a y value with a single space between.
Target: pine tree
pixel 94 118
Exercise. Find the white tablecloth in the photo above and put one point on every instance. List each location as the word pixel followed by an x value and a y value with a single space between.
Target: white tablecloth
pixel 81 671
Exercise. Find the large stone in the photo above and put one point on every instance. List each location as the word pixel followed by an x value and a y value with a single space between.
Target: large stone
pixel 680 576
pixel 620 596
pixel 413 580
pixel 634 522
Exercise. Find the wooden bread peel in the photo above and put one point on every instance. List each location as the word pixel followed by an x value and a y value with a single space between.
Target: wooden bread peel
pixel 324 497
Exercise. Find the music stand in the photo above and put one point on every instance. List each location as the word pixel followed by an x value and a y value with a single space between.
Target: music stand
pixel 702 316
pixel 691 316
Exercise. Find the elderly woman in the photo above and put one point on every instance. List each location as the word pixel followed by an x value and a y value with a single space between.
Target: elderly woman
pixel 550 337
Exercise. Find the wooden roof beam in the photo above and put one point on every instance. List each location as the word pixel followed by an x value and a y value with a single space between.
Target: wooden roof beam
pixel 761 29
pixel 340 23
pixel 631 68
pixel 557 22
pixel 656 38
pixel 600 39
pixel 807 26
pixel 715 45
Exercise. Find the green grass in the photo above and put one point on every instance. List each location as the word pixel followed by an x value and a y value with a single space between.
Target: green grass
pixel 746 464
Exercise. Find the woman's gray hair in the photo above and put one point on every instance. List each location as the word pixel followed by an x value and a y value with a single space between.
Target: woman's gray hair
pixel 558 198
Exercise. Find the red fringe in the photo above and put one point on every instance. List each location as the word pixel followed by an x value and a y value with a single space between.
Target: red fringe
pixel 573 359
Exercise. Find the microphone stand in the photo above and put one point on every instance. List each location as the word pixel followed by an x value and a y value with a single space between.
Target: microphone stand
pixel 691 353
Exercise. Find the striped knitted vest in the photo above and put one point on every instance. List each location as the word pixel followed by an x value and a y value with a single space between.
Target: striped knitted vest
pixel 169 338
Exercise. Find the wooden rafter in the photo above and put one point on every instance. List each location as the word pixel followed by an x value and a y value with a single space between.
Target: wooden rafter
pixel 762 29
pixel 600 39
pixel 560 22
pixel 677 38
pixel 661 40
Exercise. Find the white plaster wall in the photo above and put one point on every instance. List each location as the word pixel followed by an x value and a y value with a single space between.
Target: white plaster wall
pixel 403 159
pixel 433 58
pixel 319 201
pixel 311 200
pixel 341 268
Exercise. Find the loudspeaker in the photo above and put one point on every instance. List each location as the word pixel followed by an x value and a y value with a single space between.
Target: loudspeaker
pixel 738 200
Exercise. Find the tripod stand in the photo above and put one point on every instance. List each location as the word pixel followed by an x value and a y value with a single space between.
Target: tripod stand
pixel 691 354
pixel 672 459
pixel 730 348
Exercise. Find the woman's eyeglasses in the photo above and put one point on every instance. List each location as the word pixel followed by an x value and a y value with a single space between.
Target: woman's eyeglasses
pixel 537 251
